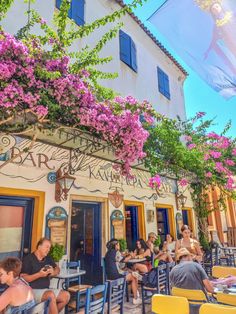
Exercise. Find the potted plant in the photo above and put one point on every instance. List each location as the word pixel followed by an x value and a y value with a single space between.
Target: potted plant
pixel 123 245
pixel 56 252
pixel 157 244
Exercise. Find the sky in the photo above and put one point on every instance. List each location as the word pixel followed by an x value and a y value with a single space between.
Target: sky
pixel 198 95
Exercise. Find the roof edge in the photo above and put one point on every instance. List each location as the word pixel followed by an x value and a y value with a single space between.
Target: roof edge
pixel 156 41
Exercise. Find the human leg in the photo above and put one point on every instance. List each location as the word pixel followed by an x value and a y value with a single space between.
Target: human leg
pixel 53 304
pixel 62 299
pixel 142 268
pixel 134 284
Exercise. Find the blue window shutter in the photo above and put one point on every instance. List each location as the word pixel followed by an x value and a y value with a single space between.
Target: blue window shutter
pixel 167 86
pixel 125 47
pixel 163 83
pixel 133 57
pixel 78 11
pixel 58 3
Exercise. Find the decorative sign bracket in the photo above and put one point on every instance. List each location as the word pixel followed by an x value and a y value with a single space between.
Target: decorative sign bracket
pixel 117 223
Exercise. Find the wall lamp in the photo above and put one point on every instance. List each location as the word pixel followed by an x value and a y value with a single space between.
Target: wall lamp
pixel 180 200
pixel 64 182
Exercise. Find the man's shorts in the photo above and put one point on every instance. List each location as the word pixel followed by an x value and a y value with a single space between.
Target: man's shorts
pixel 38 293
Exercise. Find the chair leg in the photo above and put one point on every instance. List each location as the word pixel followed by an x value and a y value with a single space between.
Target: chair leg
pixel 143 297
pixel 127 292
pixel 77 301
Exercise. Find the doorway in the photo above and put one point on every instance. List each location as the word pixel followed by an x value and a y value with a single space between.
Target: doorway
pixel 15 225
pixel 131 226
pixel 163 223
pixel 85 240
pixel 188 218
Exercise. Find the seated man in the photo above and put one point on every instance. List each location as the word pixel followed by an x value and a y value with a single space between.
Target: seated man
pixel 37 268
pixel 189 275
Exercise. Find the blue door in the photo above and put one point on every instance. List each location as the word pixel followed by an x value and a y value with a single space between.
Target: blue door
pixel 162 222
pixel 85 242
pixel 15 225
pixel 185 217
pixel 131 223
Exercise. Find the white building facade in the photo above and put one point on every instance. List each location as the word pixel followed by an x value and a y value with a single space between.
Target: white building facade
pixel 101 204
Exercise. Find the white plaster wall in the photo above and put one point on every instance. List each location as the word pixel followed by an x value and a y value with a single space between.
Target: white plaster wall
pixel 142 85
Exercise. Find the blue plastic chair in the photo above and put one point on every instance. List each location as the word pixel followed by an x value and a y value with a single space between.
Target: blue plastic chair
pixel 116 292
pixel 95 299
pixel 161 286
pixel 40 308
pixel 169 268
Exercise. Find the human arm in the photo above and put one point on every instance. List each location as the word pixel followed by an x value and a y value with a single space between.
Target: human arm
pixel 40 274
pixel 208 285
pixel 177 247
pixel 198 256
pixel 5 299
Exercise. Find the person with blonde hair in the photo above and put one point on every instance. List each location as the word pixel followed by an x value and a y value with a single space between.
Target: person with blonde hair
pixel 19 296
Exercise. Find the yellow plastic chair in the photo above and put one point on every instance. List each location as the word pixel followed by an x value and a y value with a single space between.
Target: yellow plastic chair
pixel 227 299
pixel 223 271
pixel 167 304
pixel 216 309
pixel 193 296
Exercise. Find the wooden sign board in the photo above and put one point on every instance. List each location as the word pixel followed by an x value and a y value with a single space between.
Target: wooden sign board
pixel 56 225
pixel 117 222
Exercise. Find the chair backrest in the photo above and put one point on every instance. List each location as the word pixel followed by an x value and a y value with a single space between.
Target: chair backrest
pixel 163 304
pixel 227 299
pixel 74 265
pixel 208 308
pixel 116 292
pixel 193 296
pixel 95 299
pixel 162 278
pixel 40 308
pixel 170 266
pixel 223 271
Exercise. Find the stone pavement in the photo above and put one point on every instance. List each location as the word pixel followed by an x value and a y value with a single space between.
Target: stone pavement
pixel 130 308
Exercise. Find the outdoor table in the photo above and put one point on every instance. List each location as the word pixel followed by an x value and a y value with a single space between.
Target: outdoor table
pixel 67 275
pixel 231 291
pixel 136 260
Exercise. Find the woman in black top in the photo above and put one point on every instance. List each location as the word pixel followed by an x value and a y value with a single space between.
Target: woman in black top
pixel 113 259
pixel 142 251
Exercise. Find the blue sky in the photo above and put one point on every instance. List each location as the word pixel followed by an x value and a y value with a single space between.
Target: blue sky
pixel 198 95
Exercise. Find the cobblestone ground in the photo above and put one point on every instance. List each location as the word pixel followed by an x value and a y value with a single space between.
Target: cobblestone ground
pixel 129 308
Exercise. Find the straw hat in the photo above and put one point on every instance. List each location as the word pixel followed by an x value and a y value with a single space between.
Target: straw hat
pixel 182 252
pixel 152 234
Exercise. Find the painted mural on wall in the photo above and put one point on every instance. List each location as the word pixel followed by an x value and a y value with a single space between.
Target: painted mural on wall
pixel 46 158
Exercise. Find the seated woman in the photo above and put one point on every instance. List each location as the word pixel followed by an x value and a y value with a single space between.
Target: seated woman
pixel 19 295
pixel 142 251
pixel 163 256
pixel 113 260
pixel 170 243
pixel 190 244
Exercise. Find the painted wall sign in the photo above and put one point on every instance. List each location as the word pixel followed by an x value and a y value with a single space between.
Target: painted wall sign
pixel 56 225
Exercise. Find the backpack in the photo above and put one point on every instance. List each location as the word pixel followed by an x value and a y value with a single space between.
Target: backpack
pixel 150 278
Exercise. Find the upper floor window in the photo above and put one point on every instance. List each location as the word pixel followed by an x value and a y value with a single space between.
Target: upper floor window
pixel 128 51
pixel 76 11
pixel 163 83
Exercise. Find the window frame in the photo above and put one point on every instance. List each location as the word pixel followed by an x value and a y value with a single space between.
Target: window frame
pixel 163 83
pixel 128 57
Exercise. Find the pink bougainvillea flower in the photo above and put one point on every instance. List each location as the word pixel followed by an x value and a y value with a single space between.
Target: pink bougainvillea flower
pixel 234 152
pixel 183 182
pixel 229 162
pixel 191 146
pixel 208 174
pixel 200 114
pixel 155 182
pixel 215 154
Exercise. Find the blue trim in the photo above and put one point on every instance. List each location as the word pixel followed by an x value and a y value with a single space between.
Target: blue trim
pixel 134 225
pixel 164 221
pixel 163 83
pixel 76 11
pixel 28 204
pixel 185 217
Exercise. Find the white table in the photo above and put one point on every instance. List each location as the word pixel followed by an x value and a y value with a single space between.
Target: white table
pixel 69 274
pixel 136 260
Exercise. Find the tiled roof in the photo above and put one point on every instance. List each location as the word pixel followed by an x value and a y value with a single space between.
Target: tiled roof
pixel 157 42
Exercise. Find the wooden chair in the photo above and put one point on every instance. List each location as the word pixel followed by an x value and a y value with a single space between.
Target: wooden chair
pixel 116 292
pixel 161 285
pixel 166 304
pixel 40 308
pixel 216 309
pixel 78 289
pixel 226 299
pixel 227 257
pixel 223 271
pixel 95 299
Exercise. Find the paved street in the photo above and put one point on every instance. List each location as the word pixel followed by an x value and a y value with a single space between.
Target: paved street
pixel 129 308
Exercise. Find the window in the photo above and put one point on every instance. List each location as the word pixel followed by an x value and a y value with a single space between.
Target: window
pixel 128 51
pixel 76 11
pixel 163 83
